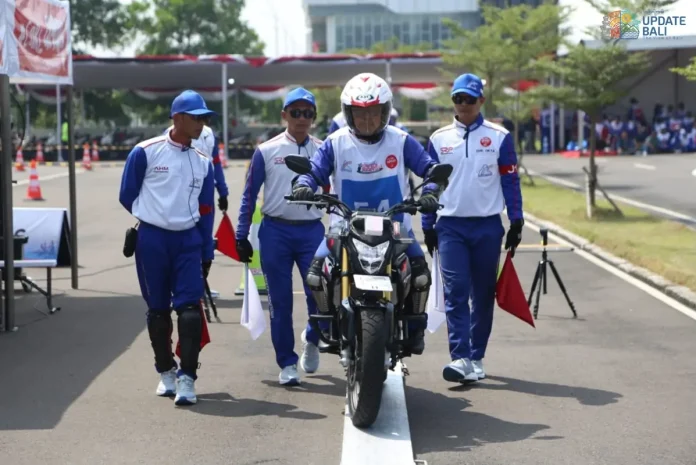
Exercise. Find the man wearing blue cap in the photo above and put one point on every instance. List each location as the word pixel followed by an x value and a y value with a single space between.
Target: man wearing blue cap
pixel 469 230
pixel 169 187
pixel 288 235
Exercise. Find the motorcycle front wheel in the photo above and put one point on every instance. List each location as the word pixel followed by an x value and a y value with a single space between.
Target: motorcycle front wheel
pixel 367 373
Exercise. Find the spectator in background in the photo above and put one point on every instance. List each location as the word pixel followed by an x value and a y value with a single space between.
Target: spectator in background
pixel 643 137
pixel 681 111
pixel 688 120
pixel 635 113
pixel 687 135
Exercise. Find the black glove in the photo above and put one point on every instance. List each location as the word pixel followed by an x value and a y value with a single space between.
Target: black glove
pixel 206 268
pixel 245 250
pixel 222 203
pixel 301 192
pixel 514 236
pixel 430 240
pixel 428 203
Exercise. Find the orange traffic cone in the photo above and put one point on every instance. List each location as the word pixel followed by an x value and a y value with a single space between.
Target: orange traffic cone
pixel 19 162
pixel 222 154
pixel 95 151
pixel 34 189
pixel 39 153
pixel 86 159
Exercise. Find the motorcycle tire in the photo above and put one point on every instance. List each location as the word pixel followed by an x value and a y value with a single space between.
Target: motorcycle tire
pixel 366 377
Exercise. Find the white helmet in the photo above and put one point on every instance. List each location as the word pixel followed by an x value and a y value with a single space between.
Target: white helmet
pixel 366 90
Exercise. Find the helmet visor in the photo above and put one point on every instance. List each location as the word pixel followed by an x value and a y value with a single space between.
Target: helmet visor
pixel 367 121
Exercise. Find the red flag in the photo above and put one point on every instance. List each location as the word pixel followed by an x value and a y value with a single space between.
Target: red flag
pixel 205 335
pixel 509 293
pixel 226 242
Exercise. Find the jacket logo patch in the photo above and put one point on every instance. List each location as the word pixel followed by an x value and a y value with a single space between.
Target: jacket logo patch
pixel 196 183
pixel 346 167
pixel 367 168
pixel 485 141
pixel 161 169
pixel 279 161
pixel 446 150
pixel 391 162
pixel 485 171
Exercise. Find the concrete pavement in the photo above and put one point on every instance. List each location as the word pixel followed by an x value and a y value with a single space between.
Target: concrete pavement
pixel 665 181
pixel 612 387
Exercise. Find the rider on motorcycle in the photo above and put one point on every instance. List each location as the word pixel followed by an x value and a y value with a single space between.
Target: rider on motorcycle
pixel 365 160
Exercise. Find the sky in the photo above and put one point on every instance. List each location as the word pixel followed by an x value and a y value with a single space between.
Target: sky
pixel 291 38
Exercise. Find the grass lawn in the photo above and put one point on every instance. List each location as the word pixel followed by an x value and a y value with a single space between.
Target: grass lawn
pixel 661 246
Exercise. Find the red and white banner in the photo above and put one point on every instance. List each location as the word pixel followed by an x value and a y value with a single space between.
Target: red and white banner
pixel 38 47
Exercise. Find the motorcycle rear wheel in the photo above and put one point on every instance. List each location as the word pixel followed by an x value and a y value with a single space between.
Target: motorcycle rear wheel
pixel 367 374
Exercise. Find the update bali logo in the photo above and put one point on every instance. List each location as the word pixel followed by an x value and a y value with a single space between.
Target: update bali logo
pixel 655 24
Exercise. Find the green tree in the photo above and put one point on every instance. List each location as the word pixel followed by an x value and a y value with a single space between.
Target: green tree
pixel 593 79
pixel 98 23
pixel 689 72
pixel 194 27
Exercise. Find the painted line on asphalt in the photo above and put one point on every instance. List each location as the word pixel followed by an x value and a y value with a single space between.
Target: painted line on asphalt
pixel 678 306
pixel 693 173
pixel 388 440
pixel 627 201
pixel 24 182
pixel 643 166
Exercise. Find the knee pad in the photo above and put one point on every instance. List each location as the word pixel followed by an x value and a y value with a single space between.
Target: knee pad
pixel 318 284
pixel 420 284
pixel 190 327
pixel 159 327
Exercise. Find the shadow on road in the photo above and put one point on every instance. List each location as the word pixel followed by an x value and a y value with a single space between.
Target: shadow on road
pixel 440 423
pixel 586 396
pixel 222 404
pixel 337 387
pixel 51 361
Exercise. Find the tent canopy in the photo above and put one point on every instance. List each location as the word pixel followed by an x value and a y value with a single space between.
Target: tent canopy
pixel 181 71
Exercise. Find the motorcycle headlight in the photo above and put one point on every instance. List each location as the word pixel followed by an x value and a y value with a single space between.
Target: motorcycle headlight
pixel 371 258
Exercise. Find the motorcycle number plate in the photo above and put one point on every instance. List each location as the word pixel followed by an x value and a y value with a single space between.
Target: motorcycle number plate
pixel 372 283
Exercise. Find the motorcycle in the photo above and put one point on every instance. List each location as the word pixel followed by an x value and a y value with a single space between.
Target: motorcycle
pixel 367 277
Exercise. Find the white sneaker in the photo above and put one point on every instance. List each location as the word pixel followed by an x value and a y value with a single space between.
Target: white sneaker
pixel 167 384
pixel 289 376
pixel 185 391
pixel 460 371
pixel 310 355
pixel 478 368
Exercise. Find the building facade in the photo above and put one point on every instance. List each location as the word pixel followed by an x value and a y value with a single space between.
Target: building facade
pixel 338 25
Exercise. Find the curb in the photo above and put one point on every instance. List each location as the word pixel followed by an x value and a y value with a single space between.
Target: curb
pixel 681 294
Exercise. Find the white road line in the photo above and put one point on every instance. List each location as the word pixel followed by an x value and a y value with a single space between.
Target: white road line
pixel 24 182
pixel 388 440
pixel 693 173
pixel 634 203
pixel 678 306
pixel 644 166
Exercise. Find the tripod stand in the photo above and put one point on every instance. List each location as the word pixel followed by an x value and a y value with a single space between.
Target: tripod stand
pixel 541 275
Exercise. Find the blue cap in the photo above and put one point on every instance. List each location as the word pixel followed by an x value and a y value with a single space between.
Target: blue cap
pixel 299 95
pixel 468 83
pixel 190 102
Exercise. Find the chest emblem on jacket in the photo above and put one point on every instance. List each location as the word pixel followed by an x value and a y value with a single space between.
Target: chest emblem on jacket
pixel 161 169
pixel 391 162
pixel 485 171
pixel 196 183
pixel 485 141
pixel 368 168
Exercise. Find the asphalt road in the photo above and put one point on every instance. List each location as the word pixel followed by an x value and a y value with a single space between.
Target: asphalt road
pixel 665 181
pixel 612 387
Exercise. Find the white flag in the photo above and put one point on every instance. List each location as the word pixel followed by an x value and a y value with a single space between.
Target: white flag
pixel 436 298
pixel 253 318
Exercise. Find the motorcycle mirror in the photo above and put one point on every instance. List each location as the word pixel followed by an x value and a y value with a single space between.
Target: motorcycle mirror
pixel 439 174
pixel 298 164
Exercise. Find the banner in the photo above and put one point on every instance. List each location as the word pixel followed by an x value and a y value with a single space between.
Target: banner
pixel 38 44
pixel 46 229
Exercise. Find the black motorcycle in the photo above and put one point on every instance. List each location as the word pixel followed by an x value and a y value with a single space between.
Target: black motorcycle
pixel 367 277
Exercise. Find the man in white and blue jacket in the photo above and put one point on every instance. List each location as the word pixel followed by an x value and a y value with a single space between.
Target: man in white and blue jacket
pixel 288 235
pixel 169 187
pixel 469 230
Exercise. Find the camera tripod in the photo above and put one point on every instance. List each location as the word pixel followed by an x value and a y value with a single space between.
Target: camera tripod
pixel 541 274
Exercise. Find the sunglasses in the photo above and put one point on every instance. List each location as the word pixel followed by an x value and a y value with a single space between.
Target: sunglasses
pixel 204 118
pixel 307 113
pixel 464 98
